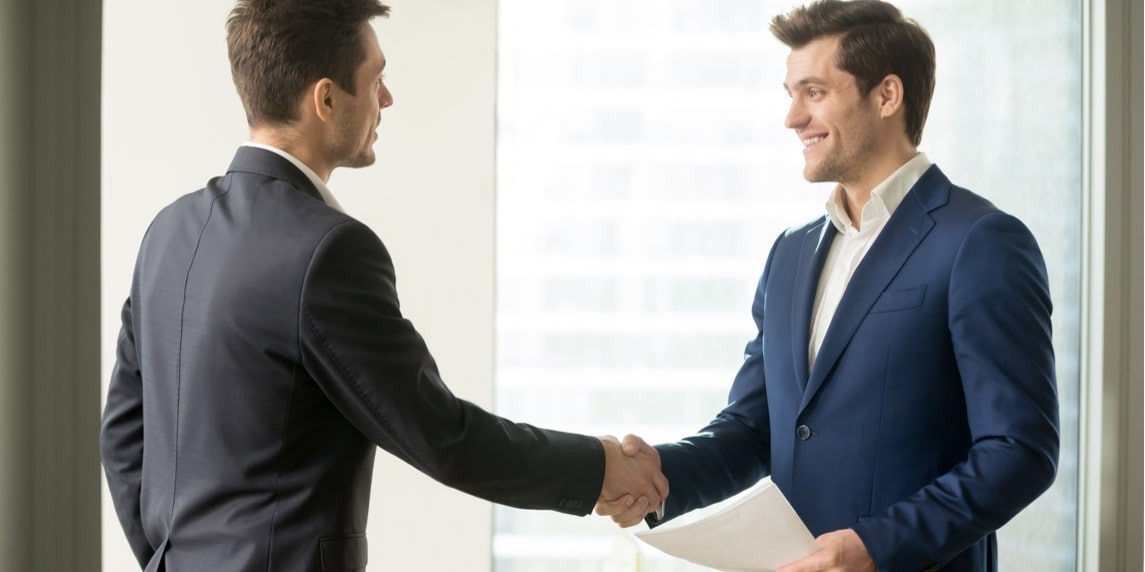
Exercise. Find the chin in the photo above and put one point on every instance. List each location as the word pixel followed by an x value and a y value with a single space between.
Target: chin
pixel 812 174
pixel 364 160
pixel 822 172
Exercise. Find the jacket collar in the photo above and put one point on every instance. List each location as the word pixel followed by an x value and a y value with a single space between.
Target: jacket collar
pixel 262 162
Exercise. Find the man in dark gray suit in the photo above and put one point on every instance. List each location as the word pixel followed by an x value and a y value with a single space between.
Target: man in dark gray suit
pixel 263 355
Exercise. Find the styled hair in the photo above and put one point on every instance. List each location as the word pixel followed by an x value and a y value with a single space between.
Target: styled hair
pixel 875 40
pixel 279 47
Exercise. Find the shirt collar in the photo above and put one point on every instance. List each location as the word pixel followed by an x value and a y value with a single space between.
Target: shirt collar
pixel 318 183
pixel 885 197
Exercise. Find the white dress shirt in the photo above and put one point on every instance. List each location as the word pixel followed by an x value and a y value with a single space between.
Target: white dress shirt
pixel 323 190
pixel 849 248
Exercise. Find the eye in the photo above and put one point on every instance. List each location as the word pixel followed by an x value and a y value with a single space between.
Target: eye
pixel 814 92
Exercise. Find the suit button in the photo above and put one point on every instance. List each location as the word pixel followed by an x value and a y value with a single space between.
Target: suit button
pixel 803 432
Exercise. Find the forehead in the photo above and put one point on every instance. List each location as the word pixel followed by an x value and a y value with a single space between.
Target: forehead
pixel 374 57
pixel 814 61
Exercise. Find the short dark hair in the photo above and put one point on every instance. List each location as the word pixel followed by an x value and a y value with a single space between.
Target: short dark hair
pixel 875 40
pixel 278 47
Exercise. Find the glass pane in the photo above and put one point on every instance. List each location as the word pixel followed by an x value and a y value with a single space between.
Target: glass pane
pixel 643 174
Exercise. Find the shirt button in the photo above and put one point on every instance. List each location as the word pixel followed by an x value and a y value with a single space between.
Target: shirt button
pixel 803 432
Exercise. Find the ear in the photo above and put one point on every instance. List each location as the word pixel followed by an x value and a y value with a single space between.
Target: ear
pixel 888 96
pixel 322 99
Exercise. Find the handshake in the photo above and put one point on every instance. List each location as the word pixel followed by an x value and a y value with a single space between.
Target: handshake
pixel 633 482
pixel 635 486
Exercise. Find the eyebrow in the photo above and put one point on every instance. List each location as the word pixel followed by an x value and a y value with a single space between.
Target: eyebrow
pixel 806 81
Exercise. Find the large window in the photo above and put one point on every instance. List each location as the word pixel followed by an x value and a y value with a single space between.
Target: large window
pixel 643 173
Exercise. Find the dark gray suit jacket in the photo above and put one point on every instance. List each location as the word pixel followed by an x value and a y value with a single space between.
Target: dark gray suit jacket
pixel 263 356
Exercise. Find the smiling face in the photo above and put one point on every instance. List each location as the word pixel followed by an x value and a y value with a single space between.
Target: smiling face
pixel 838 126
pixel 356 123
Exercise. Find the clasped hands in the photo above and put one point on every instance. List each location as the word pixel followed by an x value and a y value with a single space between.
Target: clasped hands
pixel 633 482
pixel 635 486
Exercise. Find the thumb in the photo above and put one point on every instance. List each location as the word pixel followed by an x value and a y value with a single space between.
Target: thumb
pixel 632 445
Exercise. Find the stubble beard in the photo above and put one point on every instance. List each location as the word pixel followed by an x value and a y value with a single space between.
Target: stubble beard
pixel 362 158
pixel 845 162
pixel 355 153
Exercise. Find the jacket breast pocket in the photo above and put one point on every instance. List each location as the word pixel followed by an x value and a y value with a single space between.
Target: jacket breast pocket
pixel 895 300
pixel 343 554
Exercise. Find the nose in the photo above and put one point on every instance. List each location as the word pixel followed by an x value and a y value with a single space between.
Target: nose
pixel 796 115
pixel 385 98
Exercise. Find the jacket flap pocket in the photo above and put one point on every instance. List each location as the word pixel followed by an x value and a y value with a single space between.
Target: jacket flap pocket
pixel 344 553
pixel 904 299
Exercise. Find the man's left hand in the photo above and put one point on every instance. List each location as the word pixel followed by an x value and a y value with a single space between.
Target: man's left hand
pixel 839 551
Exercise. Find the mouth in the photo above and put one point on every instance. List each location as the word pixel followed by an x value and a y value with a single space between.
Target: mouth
pixel 810 143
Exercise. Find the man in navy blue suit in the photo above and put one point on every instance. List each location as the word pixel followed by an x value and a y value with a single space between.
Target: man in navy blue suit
pixel 900 389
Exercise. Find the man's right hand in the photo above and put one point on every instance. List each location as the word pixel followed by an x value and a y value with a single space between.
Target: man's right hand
pixel 633 482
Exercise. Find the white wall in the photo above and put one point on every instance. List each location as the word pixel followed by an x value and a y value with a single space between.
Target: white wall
pixel 171 120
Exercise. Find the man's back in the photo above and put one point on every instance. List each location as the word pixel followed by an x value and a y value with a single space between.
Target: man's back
pixel 247 463
pixel 263 356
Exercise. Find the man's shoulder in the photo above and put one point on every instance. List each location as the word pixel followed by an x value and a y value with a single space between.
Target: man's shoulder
pixel 966 207
pixel 258 192
pixel 244 206
pixel 800 231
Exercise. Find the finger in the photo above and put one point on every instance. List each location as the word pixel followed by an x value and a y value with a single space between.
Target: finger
pixel 619 504
pixel 633 445
pixel 813 563
pixel 615 507
pixel 634 515
pixel 661 484
pixel 654 487
pixel 651 497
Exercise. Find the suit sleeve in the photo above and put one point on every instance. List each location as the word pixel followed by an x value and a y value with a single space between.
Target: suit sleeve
pixel 733 451
pixel 999 320
pixel 121 439
pixel 375 368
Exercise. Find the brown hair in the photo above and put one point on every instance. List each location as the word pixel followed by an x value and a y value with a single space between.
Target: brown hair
pixel 279 47
pixel 875 40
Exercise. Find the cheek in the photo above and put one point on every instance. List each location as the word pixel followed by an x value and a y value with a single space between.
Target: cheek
pixel 831 117
pixel 368 117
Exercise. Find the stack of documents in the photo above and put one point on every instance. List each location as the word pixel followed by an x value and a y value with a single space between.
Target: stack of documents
pixel 754 531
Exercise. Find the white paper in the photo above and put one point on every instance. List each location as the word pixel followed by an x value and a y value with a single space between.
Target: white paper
pixel 754 531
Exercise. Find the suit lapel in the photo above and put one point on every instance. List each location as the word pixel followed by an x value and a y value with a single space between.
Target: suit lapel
pixel 906 228
pixel 814 253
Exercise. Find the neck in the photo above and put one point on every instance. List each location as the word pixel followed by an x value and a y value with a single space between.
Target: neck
pixel 857 193
pixel 295 143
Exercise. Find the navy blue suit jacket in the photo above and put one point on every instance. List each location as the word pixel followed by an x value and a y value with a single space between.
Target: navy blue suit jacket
pixel 263 359
pixel 930 416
